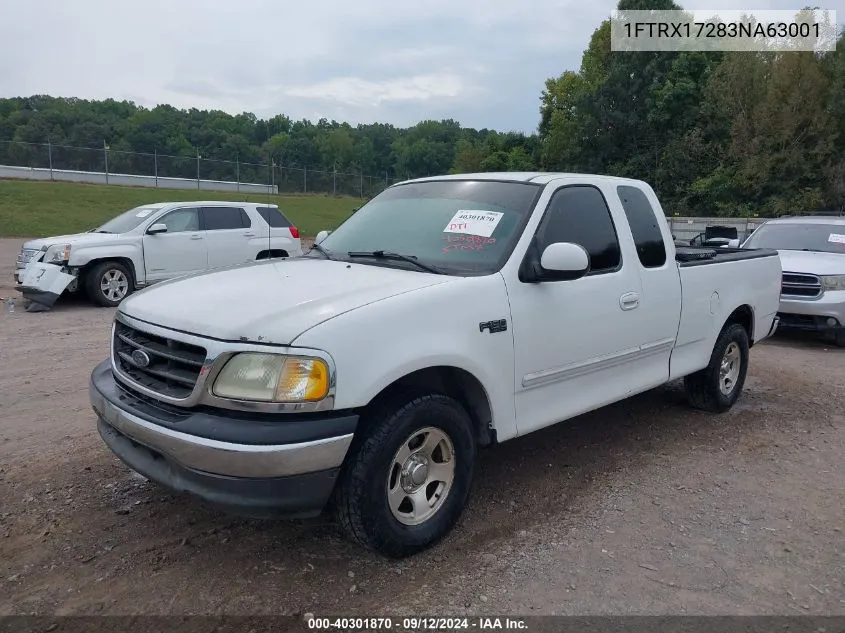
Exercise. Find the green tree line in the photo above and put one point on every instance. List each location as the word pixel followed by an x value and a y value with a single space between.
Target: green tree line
pixel 135 135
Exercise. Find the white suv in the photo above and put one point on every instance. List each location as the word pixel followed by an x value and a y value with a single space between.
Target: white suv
pixel 812 254
pixel 152 243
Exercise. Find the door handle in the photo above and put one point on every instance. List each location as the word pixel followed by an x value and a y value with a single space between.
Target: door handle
pixel 196 237
pixel 249 234
pixel 629 301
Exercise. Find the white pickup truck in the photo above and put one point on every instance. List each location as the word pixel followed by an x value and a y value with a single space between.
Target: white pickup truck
pixel 152 243
pixel 447 314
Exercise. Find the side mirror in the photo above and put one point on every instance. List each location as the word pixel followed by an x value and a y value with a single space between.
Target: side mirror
pixel 321 236
pixel 563 261
pixel 155 229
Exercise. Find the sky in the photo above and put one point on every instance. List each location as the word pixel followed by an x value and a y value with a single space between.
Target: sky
pixel 480 62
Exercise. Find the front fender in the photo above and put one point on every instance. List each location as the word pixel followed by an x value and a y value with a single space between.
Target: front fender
pixel 85 255
pixel 438 326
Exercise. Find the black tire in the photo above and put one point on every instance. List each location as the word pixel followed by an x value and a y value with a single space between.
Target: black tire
pixel 839 337
pixel 360 503
pixel 703 387
pixel 95 276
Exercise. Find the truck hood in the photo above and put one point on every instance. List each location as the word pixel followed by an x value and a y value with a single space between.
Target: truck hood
pixel 77 239
pixel 270 302
pixel 812 263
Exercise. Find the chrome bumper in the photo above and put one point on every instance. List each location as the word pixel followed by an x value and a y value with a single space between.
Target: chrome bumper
pixel 224 458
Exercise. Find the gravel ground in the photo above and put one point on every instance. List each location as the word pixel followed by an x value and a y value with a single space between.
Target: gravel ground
pixel 645 507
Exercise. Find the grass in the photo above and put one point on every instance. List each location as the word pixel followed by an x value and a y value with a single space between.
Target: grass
pixel 43 209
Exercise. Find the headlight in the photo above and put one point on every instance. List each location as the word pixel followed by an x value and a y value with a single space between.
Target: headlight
pixel 57 254
pixel 273 378
pixel 833 282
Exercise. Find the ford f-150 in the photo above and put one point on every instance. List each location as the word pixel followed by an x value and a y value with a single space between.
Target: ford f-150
pixel 447 314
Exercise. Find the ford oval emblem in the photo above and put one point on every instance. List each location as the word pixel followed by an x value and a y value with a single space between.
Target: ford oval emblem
pixel 141 358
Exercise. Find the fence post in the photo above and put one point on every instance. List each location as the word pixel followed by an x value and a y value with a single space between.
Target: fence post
pixel 50 157
pixel 362 183
pixel 106 154
pixel 198 169
pixel 272 174
pixel 334 179
pixel 238 170
pixel 304 180
pixel 155 165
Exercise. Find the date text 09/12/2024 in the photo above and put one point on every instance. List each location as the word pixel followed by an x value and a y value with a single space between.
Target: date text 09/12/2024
pixel 417 624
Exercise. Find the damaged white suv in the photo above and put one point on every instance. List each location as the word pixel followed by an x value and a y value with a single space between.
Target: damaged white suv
pixel 151 243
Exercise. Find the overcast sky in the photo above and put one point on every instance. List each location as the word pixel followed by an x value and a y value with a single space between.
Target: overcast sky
pixel 481 62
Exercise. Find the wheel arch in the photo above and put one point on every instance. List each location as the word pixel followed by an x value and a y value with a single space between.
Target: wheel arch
pixel 126 261
pixel 744 316
pixel 273 252
pixel 454 382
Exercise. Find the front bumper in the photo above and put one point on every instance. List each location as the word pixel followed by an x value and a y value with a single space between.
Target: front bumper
pixel 823 314
pixel 276 468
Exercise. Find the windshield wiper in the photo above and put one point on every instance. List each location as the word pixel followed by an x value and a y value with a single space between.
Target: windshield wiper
pixel 109 232
pixel 405 258
pixel 320 249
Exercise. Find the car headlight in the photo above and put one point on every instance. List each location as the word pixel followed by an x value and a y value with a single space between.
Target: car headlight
pixel 273 378
pixel 833 282
pixel 57 254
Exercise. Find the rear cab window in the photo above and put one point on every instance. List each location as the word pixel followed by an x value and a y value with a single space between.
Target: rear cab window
pixel 651 249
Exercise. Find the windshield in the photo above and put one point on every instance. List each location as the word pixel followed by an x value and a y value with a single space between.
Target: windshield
pixel 826 238
pixel 127 221
pixel 462 227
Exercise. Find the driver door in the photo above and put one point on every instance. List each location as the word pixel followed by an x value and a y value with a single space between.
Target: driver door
pixel 180 251
pixel 575 340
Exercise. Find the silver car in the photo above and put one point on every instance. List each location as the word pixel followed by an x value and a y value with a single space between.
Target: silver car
pixel 812 254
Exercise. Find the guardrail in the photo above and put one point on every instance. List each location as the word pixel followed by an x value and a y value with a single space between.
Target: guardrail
pixel 132 180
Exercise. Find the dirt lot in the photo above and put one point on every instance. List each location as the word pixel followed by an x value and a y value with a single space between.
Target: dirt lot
pixel 643 507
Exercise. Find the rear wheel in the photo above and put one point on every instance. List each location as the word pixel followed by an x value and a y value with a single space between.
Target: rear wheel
pixel 839 337
pixel 717 387
pixel 108 283
pixel 408 476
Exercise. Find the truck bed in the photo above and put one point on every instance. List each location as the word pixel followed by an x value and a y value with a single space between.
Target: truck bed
pixel 710 294
pixel 700 256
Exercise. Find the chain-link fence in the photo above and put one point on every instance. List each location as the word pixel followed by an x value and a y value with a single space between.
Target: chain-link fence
pixel 104 165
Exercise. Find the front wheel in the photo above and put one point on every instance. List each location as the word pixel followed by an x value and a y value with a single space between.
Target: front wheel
pixel 408 477
pixel 717 387
pixel 108 283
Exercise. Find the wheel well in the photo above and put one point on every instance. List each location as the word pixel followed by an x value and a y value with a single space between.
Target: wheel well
pixel 743 315
pixel 83 270
pixel 273 252
pixel 456 383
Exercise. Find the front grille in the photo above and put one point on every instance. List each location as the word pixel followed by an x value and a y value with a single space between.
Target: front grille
pixel 25 256
pixel 173 366
pixel 800 285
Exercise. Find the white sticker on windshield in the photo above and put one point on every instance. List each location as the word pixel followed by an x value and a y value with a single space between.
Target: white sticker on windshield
pixel 836 238
pixel 471 222
pixel 143 213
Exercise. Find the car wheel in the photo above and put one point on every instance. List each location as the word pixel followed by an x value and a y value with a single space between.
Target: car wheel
pixel 108 283
pixel 408 476
pixel 717 387
pixel 839 337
